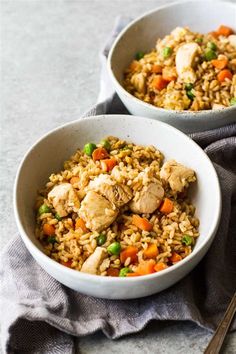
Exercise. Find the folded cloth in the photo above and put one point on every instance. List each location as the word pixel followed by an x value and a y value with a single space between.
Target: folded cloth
pixel 39 315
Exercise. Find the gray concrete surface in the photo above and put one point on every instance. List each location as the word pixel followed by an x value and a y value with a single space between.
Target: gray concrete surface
pixel 49 76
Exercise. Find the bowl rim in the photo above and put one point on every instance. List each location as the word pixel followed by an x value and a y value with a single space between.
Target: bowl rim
pixel 183 113
pixel 98 278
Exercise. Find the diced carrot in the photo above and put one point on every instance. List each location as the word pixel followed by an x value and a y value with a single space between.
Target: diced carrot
pixel 224 31
pixel 169 74
pixel 134 274
pixel 175 257
pixel 67 264
pixel 74 180
pixel 151 251
pixel 108 164
pixel 113 272
pixel 146 267
pixel 167 206
pixel 160 266
pixel 131 252
pixel 81 224
pixel 214 34
pixel 48 229
pixel 169 78
pixel 142 223
pixel 159 83
pixel 99 154
pixel 224 74
pixel 157 69
pixel 219 63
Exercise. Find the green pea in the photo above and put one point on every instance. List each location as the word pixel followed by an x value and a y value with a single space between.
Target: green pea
pixel 44 209
pixel 58 217
pixel 139 55
pixel 114 248
pixel 187 240
pixel 167 51
pixel 89 148
pixel 124 271
pixel 212 45
pixel 51 239
pixel 199 40
pixel 233 101
pixel 101 239
pixel 210 55
pixel 106 144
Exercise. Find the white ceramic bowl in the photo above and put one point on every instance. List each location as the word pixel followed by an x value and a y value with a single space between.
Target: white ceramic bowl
pixel 47 156
pixel 142 34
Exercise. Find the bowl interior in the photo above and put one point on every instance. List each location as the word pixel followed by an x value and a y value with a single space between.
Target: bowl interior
pixel 48 155
pixel 142 34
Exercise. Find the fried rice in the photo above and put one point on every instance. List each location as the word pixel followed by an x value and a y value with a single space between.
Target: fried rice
pixel 186 71
pixel 138 238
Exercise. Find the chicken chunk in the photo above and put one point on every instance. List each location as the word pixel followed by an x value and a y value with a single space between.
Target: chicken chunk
pixel 97 212
pixel 148 200
pixel 139 82
pixel 117 193
pixel 64 199
pixel 178 176
pixel 93 262
pixel 184 60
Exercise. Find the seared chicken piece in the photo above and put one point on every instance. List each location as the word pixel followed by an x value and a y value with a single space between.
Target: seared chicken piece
pixel 93 262
pixel 178 176
pixel 184 61
pixel 148 199
pixel 117 193
pixel 232 40
pixel 64 199
pixel 139 82
pixel 97 212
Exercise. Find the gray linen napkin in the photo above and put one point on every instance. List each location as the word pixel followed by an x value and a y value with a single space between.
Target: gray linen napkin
pixel 39 315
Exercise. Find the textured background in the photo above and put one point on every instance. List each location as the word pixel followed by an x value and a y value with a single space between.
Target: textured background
pixel 49 76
